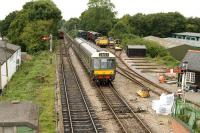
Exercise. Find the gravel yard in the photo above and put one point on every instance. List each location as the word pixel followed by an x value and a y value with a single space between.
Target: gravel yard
pixel 128 90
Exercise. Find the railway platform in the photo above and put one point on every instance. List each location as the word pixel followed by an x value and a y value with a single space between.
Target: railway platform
pixel 153 77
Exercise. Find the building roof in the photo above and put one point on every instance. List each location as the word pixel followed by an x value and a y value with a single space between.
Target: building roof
pixel 164 41
pixel 136 46
pixel 193 59
pixel 173 42
pixel 188 34
pixel 21 114
pixel 11 49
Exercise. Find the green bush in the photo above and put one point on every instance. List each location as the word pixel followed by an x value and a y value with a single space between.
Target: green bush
pixel 170 61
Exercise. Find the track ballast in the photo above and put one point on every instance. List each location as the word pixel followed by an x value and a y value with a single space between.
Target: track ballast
pixel 77 112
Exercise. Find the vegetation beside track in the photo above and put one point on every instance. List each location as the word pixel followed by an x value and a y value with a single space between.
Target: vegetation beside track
pixel 34 81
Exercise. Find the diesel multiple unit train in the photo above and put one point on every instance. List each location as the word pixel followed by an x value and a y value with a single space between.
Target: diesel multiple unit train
pixel 100 64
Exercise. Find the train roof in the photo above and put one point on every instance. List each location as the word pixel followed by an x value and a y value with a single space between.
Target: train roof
pixel 87 46
pixel 90 48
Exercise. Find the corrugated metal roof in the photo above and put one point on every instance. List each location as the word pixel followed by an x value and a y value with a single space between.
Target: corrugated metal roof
pixel 193 59
pixel 11 49
pixel 188 34
pixel 173 42
pixel 136 46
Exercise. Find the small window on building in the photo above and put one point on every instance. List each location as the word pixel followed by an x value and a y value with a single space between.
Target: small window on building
pixel 190 77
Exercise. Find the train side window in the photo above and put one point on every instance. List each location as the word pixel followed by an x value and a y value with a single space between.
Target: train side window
pixel 111 63
pixel 103 63
pixel 96 64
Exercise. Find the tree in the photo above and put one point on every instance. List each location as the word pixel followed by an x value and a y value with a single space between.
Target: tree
pixel 72 24
pixel 31 14
pixel 159 24
pixel 193 24
pixel 5 24
pixel 32 35
pixel 98 17
pixel 101 3
pixel 122 27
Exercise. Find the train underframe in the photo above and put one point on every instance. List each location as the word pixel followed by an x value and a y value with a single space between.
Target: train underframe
pixel 103 79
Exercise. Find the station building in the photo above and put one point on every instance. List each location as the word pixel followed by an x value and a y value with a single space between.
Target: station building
pixel 187 36
pixel 10 59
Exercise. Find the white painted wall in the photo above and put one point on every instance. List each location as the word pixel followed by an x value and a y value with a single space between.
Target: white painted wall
pixel 13 63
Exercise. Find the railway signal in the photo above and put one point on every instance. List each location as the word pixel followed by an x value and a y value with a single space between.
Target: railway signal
pixel 48 38
pixel 45 38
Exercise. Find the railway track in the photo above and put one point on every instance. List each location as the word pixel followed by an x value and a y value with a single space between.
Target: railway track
pixel 77 112
pixel 124 70
pixel 123 113
pixel 141 82
pixel 128 73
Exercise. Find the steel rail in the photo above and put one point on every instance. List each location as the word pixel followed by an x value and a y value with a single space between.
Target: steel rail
pixel 144 127
pixel 131 110
pixel 128 76
pixel 145 79
pixel 65 90
pixel 111 109
pixel 80 90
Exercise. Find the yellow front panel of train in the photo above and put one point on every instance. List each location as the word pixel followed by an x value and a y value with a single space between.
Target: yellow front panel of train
pixel 103 72
pixel 103 42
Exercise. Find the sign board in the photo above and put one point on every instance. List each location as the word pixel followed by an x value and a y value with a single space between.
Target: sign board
pixel 174 70
pixel 103 54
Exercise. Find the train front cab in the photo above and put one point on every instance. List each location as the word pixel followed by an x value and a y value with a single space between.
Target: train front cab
pixel 104 69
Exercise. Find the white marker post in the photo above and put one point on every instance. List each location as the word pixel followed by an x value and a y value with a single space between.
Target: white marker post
pixel 51 42
pixel 184 65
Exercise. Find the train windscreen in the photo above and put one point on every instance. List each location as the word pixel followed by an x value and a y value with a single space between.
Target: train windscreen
pixel 104 63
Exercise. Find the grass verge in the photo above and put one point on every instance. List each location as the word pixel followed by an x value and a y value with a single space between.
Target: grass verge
pixel 34 81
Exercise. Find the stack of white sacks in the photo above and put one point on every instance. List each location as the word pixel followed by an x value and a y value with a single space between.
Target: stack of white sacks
pixel 164 105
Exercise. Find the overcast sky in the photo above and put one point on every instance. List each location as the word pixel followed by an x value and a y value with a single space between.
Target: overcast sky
pixel 74 8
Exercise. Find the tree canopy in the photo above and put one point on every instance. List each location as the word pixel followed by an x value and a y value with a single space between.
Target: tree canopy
pixel 159 24
pixel 25 27
pixel 5 24
pixel 98 17
pixel 100 3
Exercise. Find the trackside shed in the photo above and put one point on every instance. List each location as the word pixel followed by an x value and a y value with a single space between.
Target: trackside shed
pixel 10 59
pixel 136 50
